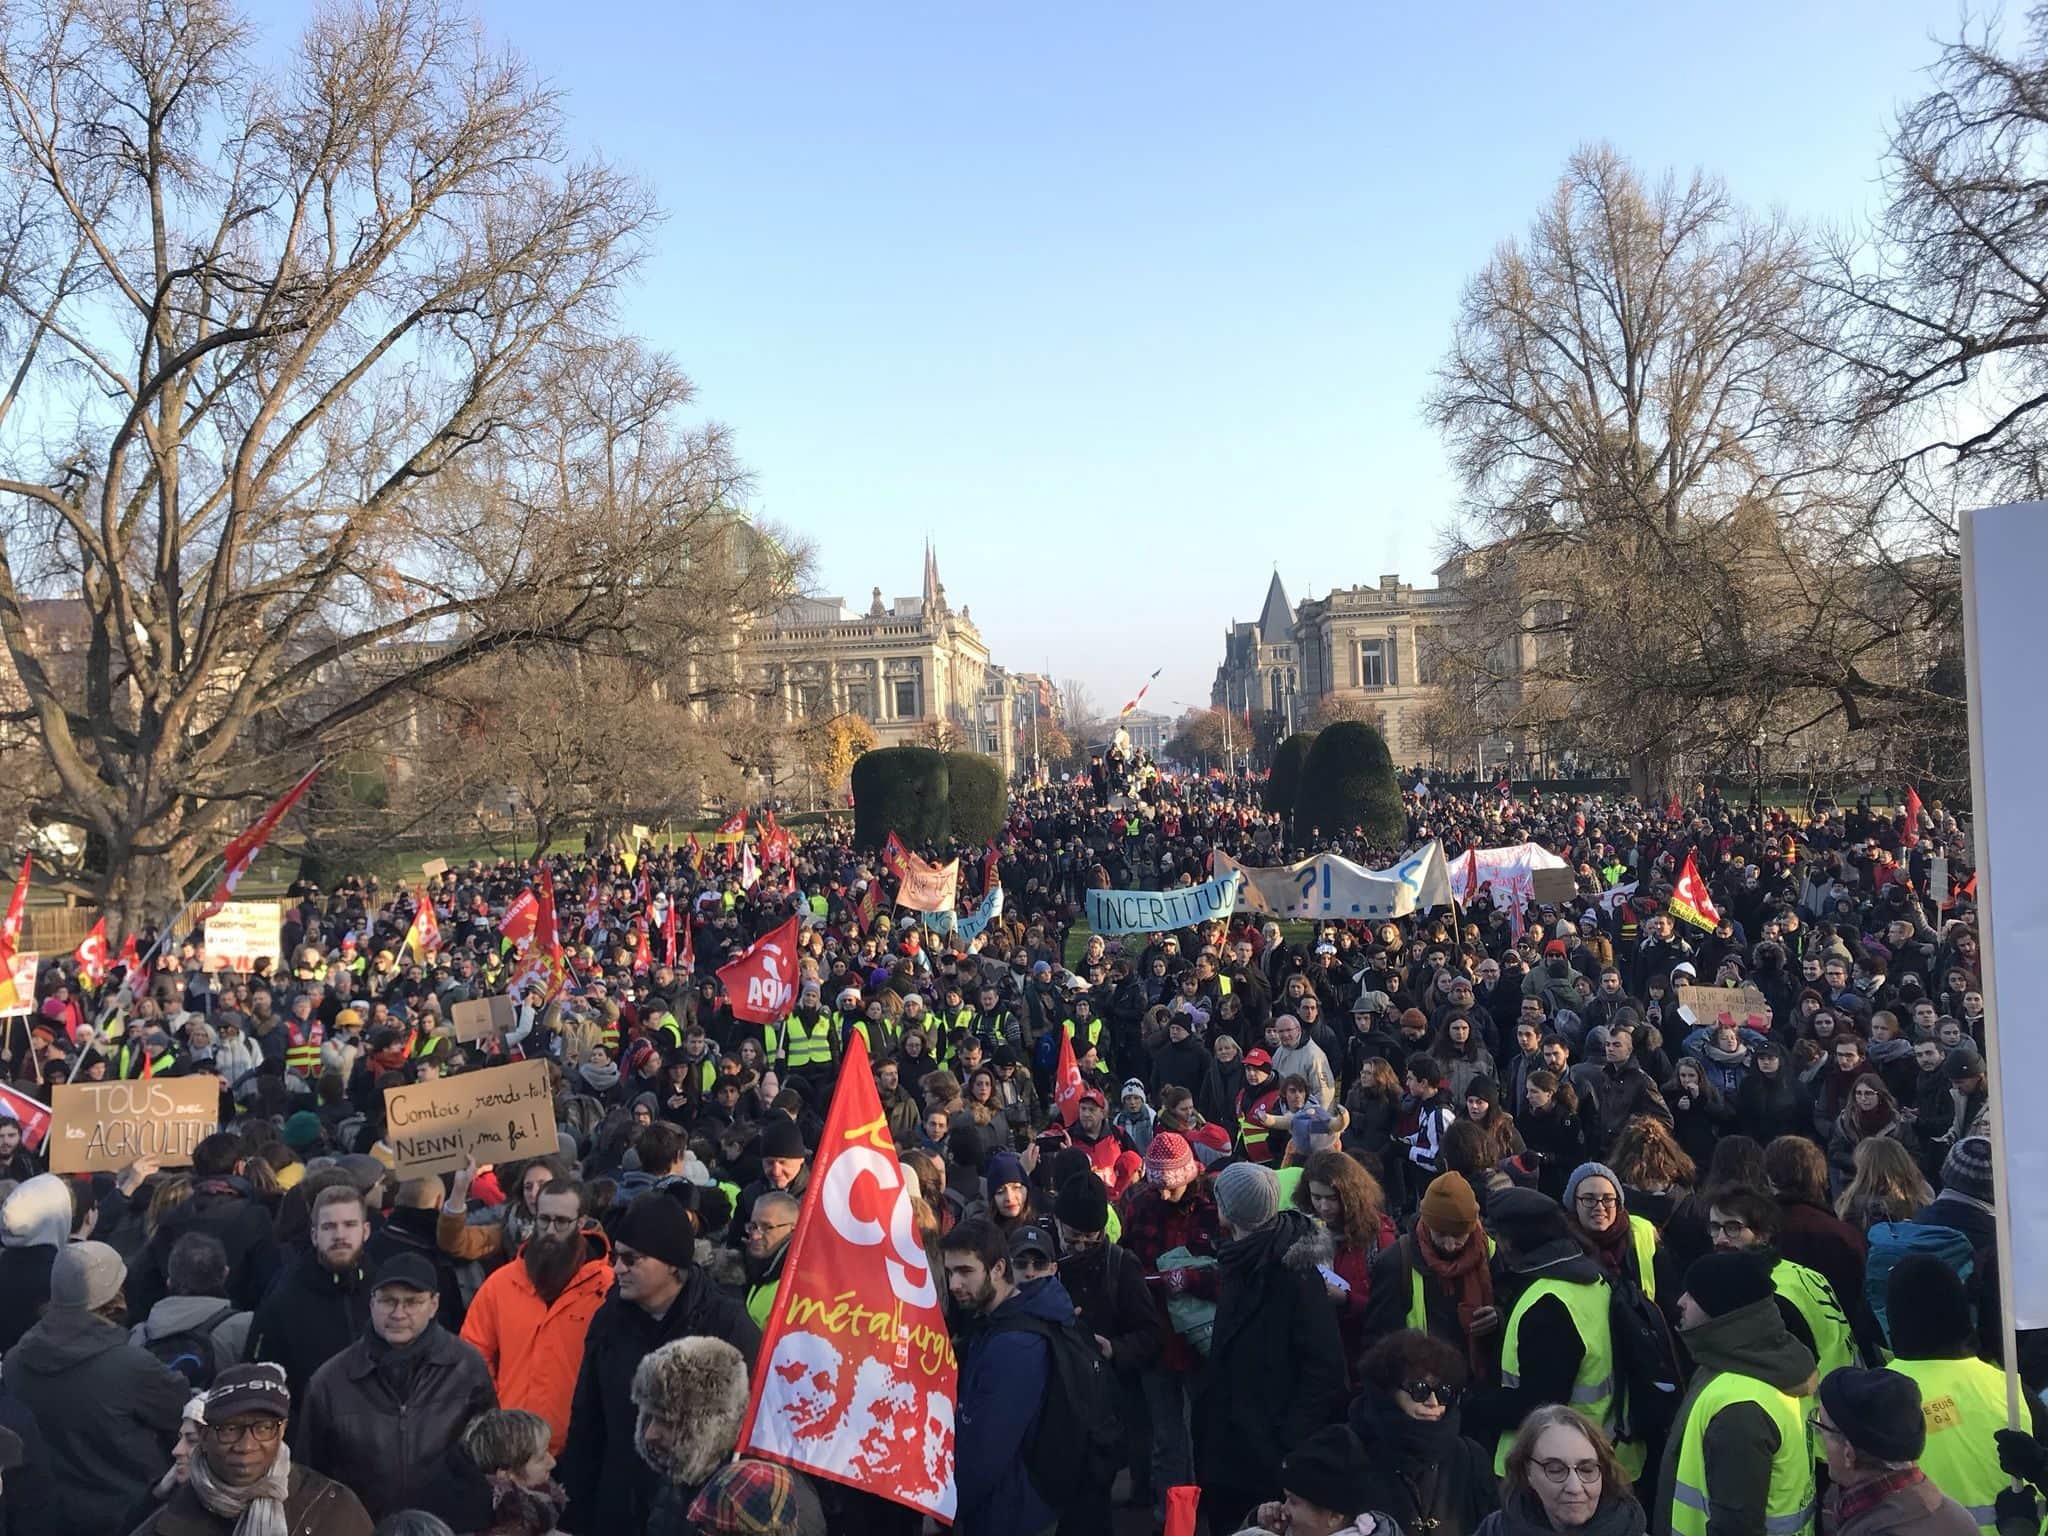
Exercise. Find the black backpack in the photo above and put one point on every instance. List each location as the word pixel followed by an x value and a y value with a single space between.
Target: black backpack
pixel 1078 1447
pixel 1647 1380
pixel 190 1351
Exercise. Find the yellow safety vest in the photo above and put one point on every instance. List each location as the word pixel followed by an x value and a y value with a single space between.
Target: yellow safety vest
pixel 1644 1234
pixel 1593 1387
pixel 761 1300
pixel 1810 1292
pixel 608 1035
pixel 1789 1506
pixel 1418 1307
pixel 809 1046
pixel 1092 1035
pixel 131 1059
pixel 304 1058
pixel 1963 1402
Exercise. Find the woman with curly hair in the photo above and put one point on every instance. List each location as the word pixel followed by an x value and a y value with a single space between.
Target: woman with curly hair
pixel 1337 1190
pixel 1658 1183
pixel 1424 1471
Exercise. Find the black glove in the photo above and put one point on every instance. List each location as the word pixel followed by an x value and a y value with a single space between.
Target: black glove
pixel 2021 1455
pixel 2017 1511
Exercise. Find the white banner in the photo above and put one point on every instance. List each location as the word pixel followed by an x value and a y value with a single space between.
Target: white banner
pixel 2005 562
pixel 1330 886
pixel 243 932
pixel 1508 870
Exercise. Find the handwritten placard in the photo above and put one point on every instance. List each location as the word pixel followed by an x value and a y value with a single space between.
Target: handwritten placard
pixel 482 1016
pixel 103 1127
pixel 495 1115
pixel 1743 1006
pixel 434 867
pixel 243 932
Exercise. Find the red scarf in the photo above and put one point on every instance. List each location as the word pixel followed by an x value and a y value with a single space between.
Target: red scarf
pixel 1468 1278
pixel 1612 1246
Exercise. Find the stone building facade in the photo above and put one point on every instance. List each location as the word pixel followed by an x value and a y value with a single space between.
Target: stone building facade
pixel 1261 671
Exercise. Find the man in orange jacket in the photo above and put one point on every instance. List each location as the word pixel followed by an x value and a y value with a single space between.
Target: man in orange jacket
pixel 530 1316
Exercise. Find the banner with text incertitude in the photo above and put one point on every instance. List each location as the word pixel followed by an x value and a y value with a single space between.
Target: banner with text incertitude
pixel 495 1115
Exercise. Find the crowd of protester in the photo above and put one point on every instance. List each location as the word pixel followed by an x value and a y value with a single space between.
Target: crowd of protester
pixel 1456 1224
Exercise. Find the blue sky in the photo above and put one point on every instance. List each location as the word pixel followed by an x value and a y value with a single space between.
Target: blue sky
pixel 1125 303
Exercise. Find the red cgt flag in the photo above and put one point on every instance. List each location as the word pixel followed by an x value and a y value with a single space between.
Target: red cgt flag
pixel 859 1376
pixel 92 956
pixel 517 924
pixel 130 958
pixel 761 982
pixel 1689 898
pixel 33 1117
pixel 242 849
pixel 17 905
pixel 1067 1086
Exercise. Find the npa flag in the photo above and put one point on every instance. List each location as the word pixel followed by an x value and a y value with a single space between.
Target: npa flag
pixel 32 1117
pixel 242 849
pixel 895 857
pixel 423 938
pixel 761 982
pixel 516 926
pixel 1689 898
pixel 859 1375
pixel 91 955
pixel 1067 1086
pixel 1911 836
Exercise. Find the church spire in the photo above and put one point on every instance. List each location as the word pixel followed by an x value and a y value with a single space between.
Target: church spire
pixel 934 590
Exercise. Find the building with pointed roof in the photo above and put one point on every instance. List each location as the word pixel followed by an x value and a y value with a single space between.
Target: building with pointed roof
pixel 1261 671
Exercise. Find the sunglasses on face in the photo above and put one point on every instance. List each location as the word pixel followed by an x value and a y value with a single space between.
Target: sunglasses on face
pixel 1431 1391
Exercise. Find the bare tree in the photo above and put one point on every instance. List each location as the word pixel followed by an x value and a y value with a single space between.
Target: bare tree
pixel 313 398
pixel 1078 709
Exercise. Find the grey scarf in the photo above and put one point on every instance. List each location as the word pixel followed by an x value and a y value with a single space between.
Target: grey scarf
pixel 260 1506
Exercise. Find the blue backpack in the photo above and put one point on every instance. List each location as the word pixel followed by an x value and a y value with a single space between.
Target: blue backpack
pixel 1891 1241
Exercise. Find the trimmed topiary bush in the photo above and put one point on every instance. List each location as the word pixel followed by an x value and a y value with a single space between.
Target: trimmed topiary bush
pixel 1284 782
pixel 1348 781
pixel 901 789
pixel 979 799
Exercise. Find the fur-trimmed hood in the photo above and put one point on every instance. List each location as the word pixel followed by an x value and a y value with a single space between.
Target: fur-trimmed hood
pixel 1314 1247
pixel 698 1387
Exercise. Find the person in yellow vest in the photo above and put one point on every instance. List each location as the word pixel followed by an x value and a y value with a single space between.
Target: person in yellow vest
pixel 1745 1220
pixel 1625 1244
pixel 1439 1279
pixel 768 1229
pixel 1962 1397
pixel 807 1040
pixel 1874 1429
pixel 1557 1346
pixel 1739 1462
pixel 148 1044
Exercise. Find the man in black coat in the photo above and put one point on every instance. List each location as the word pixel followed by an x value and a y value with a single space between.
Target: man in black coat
pixel 323 1304
pixel 1107 1284
pixel 661 1295
pixel 222 1206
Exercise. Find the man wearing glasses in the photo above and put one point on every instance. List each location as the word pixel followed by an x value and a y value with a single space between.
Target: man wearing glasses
pixel 1740 1463
pixel 380 1415
pixel 529 1317
pixel 766 1244
pixel 243 1472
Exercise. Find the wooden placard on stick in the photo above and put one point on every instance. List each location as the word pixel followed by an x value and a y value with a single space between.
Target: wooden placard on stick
pixel 434 867
pixel 495 1115
pixel 103 1127
pixel 483 1016
pixel 1744 1006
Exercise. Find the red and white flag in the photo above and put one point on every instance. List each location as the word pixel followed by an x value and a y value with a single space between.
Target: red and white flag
pixel 734 829
pixel 516 925
pixel 868 1404
pixel 750 870
pixel 760 982
pixel 668 933
pixel 1067 1086
pixel 643 952
pixel 31 1116
pixel 130 958
pixel 545 964
pixel 17 906
pixel 1689 898
pixel 243 848
pixel 91 955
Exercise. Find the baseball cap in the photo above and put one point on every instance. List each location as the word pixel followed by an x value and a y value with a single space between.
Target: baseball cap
pixel 1032 1238
pixel 1255 1057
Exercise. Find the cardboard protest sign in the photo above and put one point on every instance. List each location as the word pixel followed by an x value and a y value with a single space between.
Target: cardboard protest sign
pixel 1744 1006
pixel 434 867
pixel 243 932
pixel 103 1127
pixel 494 1115
pixel 26 964
pixel 483 1016
pixel 1553 887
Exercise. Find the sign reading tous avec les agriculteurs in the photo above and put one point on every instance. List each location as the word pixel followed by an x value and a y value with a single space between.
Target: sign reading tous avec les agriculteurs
pixel 495 1115
pixel 482 1016
pixel 103 1127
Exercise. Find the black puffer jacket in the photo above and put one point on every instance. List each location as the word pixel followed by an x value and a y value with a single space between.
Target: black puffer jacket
pixel 311 1317
pixel 610 1487
pixel 379 1420
pixel 226 1209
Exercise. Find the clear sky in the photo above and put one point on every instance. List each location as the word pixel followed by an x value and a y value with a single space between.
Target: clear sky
pixel 1126 303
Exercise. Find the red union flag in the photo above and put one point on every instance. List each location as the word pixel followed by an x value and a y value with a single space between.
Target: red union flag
pixel 895 857
pixel 520 916
pixel 860 1375
pixel 761 983
pixel 1067 1086
pixel 545 964
pixel 17 904
pixel 1911 835
pixel 32 1117
pixel 1689 898
pixel 242 850
pixel 92 956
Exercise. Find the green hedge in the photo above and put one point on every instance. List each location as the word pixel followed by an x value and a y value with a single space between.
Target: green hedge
pixel 901 789
pixel 979 799
pixel 1348 781
pixel 1284 782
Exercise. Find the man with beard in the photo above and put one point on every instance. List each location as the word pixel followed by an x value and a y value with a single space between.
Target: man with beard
pixel 321 1306
pixel 17 1163
pixel 529 1317
pixel 768 1231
